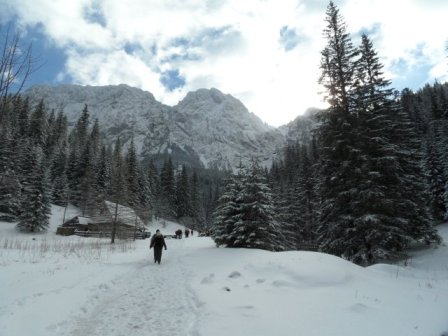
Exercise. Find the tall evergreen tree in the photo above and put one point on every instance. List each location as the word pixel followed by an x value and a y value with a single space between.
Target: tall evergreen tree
pixel 306 198
pixel 87 175
pixel 367 212
pixel 434 166
pixel 73 176
pixel 153 188
pixel 10 187
pixel 103 177
pixel 337 136
pixel 133 177
pixel 23 115
pixel 195 203
pixel 58 176
pixel 144 193
pixel 183 205
pixel 338 61
pixel 228 211
pixel 79 133
pixel 256 227
pixel 244 216
pixel 35 202
pixel 38 126
pixel 167 190
pixel 118 185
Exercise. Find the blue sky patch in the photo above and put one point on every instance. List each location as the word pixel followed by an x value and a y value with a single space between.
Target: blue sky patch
pixel 94 14
pixel 410 76
pixel 212 40
pixel 373 31
pixel 289 38
pixel 130 48
pixel 172 80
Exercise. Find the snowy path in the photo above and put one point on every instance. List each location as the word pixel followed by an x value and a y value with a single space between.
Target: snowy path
pixel 200 290
pixel 151 300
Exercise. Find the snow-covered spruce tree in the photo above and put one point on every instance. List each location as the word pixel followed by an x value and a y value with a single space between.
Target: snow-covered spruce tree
pixel 9 183
pixel 374 217
pixel 118 184
pixel 256 227
pixel 35 202
pixel 337 137
pixel 337 62
pixel 87 179
pixel 61 128
pixel 413 212
pixel 22 111
pixel 103 174
pixel 95 142
pixel 375 230
pixel 144 192
pixel 208 204
pixel 132 177
pixel 195 196
pixel 38 127
pixel 58 176
pixel 434 167
pixel 228 210
pixel 436 145
pixel 285 202
pixel 427 110
pixel 89 149
pixel 79 133
pixel 306 197
pixel 167 205
pixel 79 157
pixel 73 175
pixel 152 176
pixel 182 194
pixel 10 194
pixel 293 186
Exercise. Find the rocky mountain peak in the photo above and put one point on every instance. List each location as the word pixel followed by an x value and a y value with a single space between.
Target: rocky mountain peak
pixel 207 128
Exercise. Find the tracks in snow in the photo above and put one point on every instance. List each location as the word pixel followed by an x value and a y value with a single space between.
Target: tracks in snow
pixel 152 300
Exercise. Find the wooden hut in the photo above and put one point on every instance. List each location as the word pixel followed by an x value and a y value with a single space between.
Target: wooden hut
pixel 128 223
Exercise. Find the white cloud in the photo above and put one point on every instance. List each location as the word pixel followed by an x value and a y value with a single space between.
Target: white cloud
pixel 232 45
pixel 410 30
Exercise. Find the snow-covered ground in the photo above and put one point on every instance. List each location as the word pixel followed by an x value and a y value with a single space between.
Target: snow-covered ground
pixel 52 285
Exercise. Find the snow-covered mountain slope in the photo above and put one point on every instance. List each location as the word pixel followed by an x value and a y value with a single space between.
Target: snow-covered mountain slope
pixel 207 128
pixel 302 127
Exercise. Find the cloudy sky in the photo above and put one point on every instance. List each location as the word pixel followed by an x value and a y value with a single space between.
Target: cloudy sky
pixel 264 52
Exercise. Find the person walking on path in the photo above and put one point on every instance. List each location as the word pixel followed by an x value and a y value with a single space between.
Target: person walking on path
pixel 158 242
pixel 178 234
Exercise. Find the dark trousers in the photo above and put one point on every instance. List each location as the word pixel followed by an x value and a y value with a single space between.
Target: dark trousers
pixel 157 254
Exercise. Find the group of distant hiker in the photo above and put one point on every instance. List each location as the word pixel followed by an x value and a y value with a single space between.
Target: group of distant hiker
pixel 187 232
pixel 158 242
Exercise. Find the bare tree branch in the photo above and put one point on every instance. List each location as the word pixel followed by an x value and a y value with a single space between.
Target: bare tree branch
pixel 16 66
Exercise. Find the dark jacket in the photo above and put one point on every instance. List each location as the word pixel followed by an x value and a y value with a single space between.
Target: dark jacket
pixel 157 241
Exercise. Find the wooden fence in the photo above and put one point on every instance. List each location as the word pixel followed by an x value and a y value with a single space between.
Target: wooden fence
pixel 308 246
pixel 119 234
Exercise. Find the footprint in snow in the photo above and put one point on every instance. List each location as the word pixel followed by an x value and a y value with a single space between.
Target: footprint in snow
pixel 208 279
pixel 281 283
pixel 235 274
pixel 248 307
pixel 359 307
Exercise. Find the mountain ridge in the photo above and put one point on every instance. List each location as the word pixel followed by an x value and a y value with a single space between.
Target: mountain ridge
pixel 207 128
